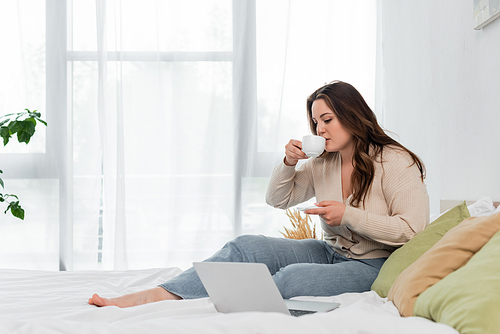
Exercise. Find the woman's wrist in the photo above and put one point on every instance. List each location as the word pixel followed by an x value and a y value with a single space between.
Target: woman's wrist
pixel 289 164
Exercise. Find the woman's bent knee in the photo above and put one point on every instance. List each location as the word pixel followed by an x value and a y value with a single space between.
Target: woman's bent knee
pixel 245 243
pixel 244 248
pixel 247 239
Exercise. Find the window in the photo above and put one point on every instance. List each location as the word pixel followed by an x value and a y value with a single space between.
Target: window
pixel 166 119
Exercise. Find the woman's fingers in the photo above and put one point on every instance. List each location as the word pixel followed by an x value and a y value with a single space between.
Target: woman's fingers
pixel 330 211
pixel 318 211
pixel 293 151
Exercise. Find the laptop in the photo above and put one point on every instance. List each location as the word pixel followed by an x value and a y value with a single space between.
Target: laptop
pixel 247 287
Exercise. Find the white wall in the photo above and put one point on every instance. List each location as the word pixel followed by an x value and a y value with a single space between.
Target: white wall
pixel 439 91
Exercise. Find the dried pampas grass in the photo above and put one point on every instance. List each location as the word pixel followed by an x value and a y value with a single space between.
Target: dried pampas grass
pixel 301 226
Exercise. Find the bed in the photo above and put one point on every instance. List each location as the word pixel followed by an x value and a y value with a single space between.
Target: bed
pixel 56 302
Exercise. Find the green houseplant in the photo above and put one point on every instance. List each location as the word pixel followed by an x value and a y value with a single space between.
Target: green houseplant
pixel 22 125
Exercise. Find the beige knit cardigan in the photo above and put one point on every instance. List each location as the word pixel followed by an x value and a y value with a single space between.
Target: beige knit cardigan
pixel 395 209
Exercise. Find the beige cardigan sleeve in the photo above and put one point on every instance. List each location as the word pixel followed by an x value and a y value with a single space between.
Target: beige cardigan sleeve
pixel 289 186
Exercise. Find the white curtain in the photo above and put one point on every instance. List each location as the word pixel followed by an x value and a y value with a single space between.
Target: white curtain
pixel 166 119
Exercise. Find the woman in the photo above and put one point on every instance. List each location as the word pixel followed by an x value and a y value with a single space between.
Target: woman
pixel 371 199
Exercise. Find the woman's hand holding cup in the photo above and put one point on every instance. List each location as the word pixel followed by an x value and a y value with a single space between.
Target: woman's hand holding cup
pixel 293 152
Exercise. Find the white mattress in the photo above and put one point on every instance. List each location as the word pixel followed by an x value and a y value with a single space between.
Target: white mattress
pixel 56 302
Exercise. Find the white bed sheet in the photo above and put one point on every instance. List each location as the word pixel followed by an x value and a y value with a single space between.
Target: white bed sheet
pixel 56 302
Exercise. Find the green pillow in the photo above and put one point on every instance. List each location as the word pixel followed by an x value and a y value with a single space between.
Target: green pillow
pixel 469 298
pixel 404 256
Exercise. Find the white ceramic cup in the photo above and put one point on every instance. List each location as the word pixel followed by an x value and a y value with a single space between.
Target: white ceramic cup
pixel 313 145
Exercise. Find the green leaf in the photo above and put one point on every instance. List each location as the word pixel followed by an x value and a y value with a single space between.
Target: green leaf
pixel 5 134
pixel 34 113
pixel 14 126
pixel 26 131
pixel 16 210
pixel 1 183
pixel 19 213
pixel 30 119
pixel 41 121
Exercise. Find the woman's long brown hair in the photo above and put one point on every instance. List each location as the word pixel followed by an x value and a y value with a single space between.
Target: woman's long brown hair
pixel 357 118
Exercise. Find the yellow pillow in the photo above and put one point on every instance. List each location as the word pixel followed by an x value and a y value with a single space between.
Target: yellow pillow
pixel 450 253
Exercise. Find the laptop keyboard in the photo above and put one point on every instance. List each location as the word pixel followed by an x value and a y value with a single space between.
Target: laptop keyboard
pixel 298 313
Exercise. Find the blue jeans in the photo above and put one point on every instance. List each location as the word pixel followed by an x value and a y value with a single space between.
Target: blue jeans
pixel 299 267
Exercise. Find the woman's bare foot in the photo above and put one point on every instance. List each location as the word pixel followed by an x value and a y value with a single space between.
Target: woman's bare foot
pixel 138 298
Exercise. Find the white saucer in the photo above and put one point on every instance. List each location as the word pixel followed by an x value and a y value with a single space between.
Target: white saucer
pixel 306 207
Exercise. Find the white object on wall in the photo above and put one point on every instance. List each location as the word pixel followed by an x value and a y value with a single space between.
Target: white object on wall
pixel 485 12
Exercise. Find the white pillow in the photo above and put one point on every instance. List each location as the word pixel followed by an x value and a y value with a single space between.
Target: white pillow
pixel 482 207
